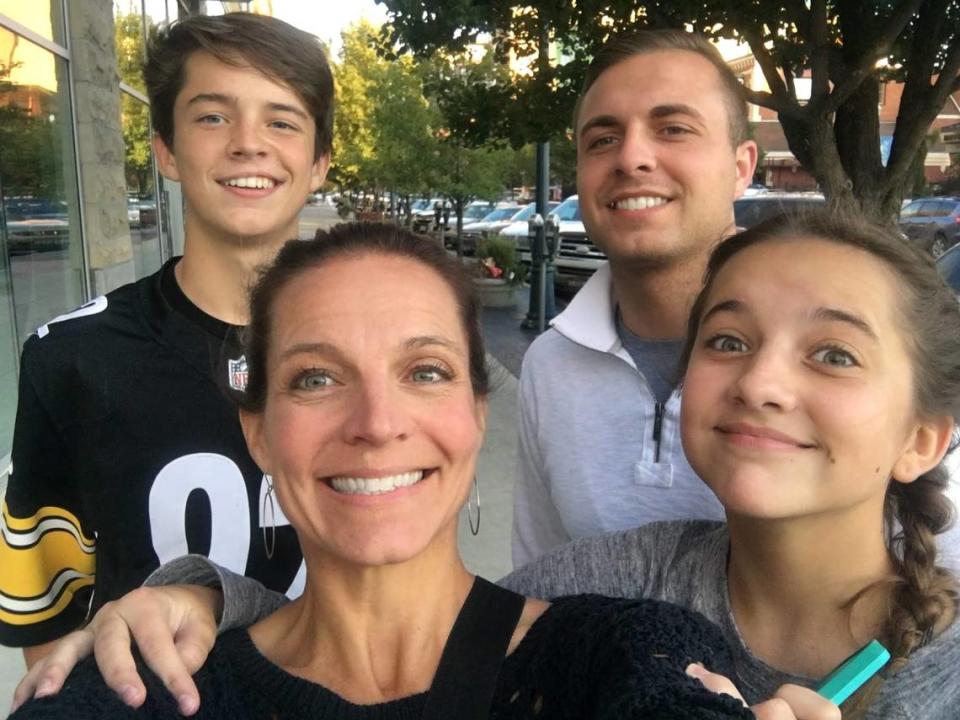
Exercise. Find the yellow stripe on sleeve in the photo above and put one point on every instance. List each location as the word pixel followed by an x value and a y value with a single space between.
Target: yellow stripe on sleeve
pixel 44 560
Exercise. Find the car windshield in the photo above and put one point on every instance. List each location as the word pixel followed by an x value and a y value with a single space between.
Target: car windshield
pixel 529 210
pixel 500 214
pixel 475 212
pixel 569 209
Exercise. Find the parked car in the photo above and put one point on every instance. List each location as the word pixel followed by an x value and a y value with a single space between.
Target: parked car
pixel 133 212
pixel 933 223
pixel 423 220
pixel 473 212
pixel 517 228
pixel 490 224
pixel 755 189
pixel 36 225
pixel 752 209
pixel 567 212
pixel 37 234
pixel 577 257
pixel 423 217
pixel 948 265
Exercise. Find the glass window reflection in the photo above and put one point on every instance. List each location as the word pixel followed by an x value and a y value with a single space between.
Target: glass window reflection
pixel 129 41
pixel 141 189
pixel 40 242
pixel 44 17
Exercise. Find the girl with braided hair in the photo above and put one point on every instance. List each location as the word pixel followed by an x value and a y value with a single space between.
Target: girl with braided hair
pixel 821 392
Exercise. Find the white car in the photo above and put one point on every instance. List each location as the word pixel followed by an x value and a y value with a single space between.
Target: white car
pixel 490 224
pixel 577 257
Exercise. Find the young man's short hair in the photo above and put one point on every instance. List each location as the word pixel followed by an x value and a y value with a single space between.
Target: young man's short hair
pixel 278 50
pixel 627 46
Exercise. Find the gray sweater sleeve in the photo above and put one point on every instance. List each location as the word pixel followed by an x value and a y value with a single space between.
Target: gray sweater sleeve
pixel 618 565
pixel 621 564
pixel 245 601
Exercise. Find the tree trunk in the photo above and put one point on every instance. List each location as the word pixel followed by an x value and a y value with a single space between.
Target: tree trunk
pixel 857 131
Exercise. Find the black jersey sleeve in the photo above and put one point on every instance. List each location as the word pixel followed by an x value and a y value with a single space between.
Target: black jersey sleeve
pixel 47 551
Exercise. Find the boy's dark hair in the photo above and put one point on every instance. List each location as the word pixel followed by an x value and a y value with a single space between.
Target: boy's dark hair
pixel 278 50
pixel 624 47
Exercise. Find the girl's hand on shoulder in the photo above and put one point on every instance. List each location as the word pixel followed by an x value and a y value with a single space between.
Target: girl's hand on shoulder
pixel 789 702
pixel 173 626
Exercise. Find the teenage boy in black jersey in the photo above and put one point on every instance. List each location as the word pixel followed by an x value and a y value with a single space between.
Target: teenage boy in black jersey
pixel 127 450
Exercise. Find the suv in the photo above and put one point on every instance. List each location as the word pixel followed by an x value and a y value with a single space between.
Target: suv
pixel 577 257
pixel 753 209
pixel 933 223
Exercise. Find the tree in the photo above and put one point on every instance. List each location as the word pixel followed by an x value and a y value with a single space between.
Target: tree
pixel 402 121
pixel 848 48
pixel 398 124
pixel 30 144
pixel 471 164
pixel 353 141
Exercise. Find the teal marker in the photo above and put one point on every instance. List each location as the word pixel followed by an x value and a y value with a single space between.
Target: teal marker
pixel 854 672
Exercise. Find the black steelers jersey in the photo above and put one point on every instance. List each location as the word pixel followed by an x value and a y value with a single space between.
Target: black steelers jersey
pixel 128 452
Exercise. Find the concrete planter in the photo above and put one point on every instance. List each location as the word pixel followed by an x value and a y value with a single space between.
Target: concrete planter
pixel 495 292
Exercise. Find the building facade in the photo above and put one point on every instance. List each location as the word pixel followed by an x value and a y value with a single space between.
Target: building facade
pixel 779 168
pixel 82 209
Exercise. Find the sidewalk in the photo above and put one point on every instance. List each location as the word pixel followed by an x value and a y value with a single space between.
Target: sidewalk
pixel 488 554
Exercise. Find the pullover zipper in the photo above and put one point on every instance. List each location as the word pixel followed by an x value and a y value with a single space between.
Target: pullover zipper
pixel 657 429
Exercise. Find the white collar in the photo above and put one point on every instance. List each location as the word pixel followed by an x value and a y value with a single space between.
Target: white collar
pixel 591 317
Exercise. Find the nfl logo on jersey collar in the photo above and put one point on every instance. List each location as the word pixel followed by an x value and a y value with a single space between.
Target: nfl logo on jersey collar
pixel 237 373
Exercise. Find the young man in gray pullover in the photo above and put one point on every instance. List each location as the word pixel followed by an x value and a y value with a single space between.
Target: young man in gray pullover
pixel 662 153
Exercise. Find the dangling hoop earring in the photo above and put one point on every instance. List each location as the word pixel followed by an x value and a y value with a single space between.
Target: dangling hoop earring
pixel 474 529
pixel 269 545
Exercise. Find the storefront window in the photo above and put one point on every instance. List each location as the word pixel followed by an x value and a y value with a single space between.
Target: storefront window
pixel 129 40
pixel 40 240
pixel 142 208
pixel 44 17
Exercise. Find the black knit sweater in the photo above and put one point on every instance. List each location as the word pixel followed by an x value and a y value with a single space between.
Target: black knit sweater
pixel 586 657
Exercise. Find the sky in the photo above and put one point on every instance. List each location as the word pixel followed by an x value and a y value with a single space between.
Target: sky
pixel 327 18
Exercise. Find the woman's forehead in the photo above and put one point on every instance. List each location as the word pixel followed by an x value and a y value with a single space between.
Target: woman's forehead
pixel 386 295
